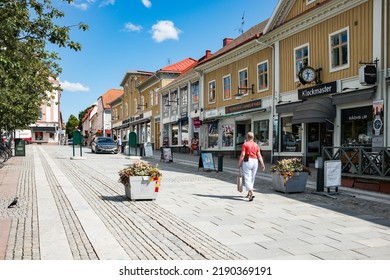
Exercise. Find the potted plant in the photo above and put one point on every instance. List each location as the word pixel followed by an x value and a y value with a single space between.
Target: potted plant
pixel 290 175
pixel 141 180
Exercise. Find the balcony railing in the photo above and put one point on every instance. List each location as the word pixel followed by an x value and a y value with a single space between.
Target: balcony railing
pixel 361 161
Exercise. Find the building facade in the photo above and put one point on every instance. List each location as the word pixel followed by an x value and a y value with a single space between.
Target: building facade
pixel 49 123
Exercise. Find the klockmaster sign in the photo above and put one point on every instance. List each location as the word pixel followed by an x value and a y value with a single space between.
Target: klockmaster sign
pixel 322 89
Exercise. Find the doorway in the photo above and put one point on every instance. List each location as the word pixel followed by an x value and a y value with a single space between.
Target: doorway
pixel 318 136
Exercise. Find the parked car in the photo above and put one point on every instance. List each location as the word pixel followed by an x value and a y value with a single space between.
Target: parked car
pixel 104 145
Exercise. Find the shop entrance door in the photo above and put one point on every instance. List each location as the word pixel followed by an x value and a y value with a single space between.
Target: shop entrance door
pixel 318 136
pixel 242 128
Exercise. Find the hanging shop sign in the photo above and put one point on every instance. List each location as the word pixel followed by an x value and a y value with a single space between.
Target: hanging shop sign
pixel 322 89
pixel 243 106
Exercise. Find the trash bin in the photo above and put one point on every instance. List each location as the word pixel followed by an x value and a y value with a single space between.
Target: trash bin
pixel 220 162
pixel 20 147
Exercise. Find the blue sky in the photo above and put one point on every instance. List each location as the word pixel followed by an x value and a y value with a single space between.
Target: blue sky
pixel 143 35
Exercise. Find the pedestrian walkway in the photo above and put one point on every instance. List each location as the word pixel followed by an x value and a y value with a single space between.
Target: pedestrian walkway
pixel 76 209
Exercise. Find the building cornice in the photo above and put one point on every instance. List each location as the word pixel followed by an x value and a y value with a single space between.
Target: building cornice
pixel 310 19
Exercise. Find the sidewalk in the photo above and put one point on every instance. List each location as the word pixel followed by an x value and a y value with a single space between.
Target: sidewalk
pixel 76 209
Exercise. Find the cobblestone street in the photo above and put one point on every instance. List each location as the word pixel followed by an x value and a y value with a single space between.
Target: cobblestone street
pixel 77 209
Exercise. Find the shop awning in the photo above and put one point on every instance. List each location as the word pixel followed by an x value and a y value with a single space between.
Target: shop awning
pixel 353 96
pixel 51 129
pixel 314 111
pixel 145 120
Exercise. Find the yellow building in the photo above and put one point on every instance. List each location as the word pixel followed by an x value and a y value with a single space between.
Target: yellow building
pixel 314 74
pixel 142 102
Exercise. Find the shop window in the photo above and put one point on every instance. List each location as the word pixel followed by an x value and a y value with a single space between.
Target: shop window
pixel 175 134
pixel 291 135
pixel 262 76
pixel 261 132
pixel 184 133
pixel 212 141
pixel 39 136
pixel 339 49
pixel 301 54
pixel 357 126
pixel 227 135
pixel 165 136
pixel 227 92
pixel 212 93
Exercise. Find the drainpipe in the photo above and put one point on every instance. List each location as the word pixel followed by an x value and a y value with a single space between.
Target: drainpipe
pixel 385 98
pixel 273 108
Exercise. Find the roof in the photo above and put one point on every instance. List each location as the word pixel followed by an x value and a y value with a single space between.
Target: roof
pixel 180 66
pixel 253 33
pixel 134 73
pixel 88 113
pixel 110 96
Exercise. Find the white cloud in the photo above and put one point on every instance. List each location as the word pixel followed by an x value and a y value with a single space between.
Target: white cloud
pixel 106 3
pixel 68 86
pixel 83 6
pixel 147 3
pixel 132 27
pixel 165 30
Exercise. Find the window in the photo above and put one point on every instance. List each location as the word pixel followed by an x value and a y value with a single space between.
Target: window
pixel 291 135
pixel 126 109
pixel 184 100
pixel 227 135
pixel 212 93
pixel 212 141
pixel 227 94
pixel 39 136
pixel 156 97
pixel 184 132
pixel 151 95
pixel 135 105
pixel 357 126
pixel 195 92
pixel 175 134
pixel 166 106
pixel 262 76
pixel 261 132
pixel 339 50
pixel 173 102
pixel 243 80
pixel 301 55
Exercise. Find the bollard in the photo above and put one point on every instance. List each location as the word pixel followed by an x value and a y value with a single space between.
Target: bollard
pixel 220 162
pixel 319 165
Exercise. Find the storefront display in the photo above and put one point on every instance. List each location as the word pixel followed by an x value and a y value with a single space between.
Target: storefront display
pixel 357 126
pixel 291 135
pixel 261 132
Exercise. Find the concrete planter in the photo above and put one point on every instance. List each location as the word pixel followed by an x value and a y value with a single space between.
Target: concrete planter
pixel 142 188
pixel 296 183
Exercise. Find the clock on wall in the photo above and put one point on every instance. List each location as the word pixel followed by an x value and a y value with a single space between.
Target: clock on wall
pixel 307 75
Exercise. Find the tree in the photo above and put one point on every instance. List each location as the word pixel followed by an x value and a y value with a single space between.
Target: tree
pixel 72 124
pixel 26 28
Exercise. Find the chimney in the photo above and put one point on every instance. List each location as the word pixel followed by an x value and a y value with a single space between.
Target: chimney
pixel 227 41
pixel 208 53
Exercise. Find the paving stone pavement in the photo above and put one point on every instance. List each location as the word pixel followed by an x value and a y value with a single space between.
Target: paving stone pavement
pixel 197 215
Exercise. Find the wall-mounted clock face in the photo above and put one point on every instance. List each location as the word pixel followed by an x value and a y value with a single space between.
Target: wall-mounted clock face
pixel 307 75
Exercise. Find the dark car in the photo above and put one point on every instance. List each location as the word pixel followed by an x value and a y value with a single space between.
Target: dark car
pixel 103 145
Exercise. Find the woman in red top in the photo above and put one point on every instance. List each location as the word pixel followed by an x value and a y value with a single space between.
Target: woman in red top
pixel 249 160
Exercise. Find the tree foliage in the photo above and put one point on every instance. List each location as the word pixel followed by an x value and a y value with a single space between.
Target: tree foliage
pixel 26 29
pixel 72 124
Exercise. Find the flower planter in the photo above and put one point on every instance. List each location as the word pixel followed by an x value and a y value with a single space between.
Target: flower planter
pixel 296 183
pixel 142 188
